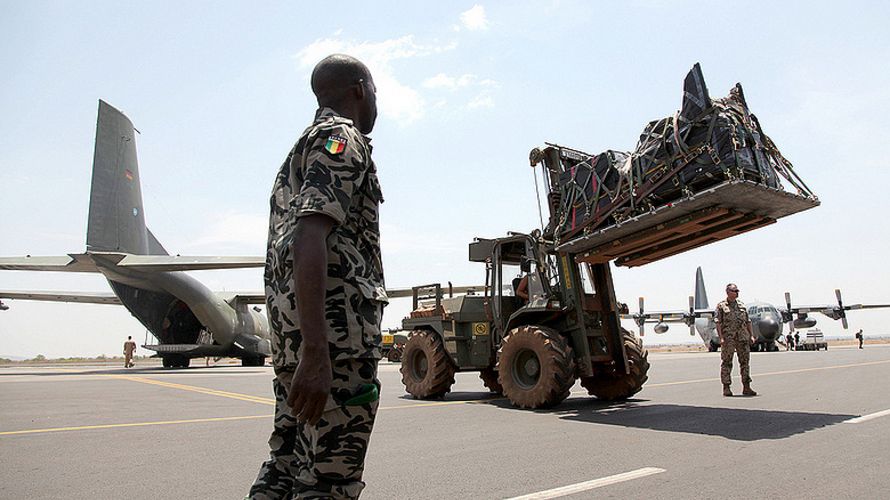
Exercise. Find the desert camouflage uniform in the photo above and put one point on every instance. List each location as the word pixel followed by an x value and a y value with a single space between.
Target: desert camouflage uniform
pixel 329 171
pixel 734 318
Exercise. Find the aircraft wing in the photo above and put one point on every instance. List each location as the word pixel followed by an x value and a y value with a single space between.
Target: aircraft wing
pixel 395 293
pixel 162 263
pixel 50 296
pixel 250 298
pixel 73 263
pixel 84 263
pixel 392 293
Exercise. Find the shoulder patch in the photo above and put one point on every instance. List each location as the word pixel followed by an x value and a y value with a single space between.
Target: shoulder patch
pixel 335 144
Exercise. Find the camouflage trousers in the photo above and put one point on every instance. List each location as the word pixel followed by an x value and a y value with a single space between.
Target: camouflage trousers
pixel 743 349
pixel 325 460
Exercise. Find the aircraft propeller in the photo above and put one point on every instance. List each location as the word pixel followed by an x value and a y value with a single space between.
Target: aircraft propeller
pixel 840 308
pixel 786 314
pixel 690 320
pixel 641 319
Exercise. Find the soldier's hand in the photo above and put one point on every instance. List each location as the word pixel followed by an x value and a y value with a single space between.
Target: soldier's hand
pixel 310 386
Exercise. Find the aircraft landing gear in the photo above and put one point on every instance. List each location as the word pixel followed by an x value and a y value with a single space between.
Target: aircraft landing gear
pixel 712 347
pixel 248 360
pixel 176 361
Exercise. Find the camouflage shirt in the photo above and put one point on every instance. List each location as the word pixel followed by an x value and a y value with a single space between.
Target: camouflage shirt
pixel 329 171
pixel 734 318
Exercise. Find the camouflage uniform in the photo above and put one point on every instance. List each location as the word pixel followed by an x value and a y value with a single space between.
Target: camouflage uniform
pixel 734 320
pixel 329 171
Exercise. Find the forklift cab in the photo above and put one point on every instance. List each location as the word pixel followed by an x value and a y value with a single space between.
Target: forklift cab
pixel 507 261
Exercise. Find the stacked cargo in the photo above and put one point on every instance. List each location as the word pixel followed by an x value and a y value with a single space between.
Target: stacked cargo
pixel 706 144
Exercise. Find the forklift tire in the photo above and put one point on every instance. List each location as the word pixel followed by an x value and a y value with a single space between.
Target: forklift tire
pixel 611 388
pixel 427 369
pixel 536 367
pixel 489 378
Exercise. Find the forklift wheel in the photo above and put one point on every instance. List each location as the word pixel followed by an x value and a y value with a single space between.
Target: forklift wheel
pixel 627 384
pixel 427 369
pixel 395 354
pixel 536 367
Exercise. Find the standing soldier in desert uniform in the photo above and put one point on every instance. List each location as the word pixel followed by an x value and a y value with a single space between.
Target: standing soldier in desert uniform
pixel 325 294
pixel 736 336
pixel 129 350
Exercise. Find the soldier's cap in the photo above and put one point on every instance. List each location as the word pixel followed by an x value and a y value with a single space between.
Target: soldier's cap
pixel 732 287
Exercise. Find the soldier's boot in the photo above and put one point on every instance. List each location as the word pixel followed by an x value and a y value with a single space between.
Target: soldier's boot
pixel 748 391
pixel 726 391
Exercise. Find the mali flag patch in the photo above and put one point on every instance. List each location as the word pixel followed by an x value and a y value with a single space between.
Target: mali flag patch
pixel 336 144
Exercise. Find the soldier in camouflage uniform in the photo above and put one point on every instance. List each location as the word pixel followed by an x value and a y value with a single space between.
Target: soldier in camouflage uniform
pixel 736 336
pixel 325 294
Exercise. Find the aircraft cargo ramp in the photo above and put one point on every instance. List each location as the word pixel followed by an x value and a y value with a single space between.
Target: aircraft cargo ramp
pixel 717 213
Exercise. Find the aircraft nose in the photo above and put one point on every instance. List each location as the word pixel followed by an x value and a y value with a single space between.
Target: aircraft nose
pixel 768 328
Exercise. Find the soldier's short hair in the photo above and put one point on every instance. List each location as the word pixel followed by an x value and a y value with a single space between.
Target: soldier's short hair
pixel 335 73
pixel 732 286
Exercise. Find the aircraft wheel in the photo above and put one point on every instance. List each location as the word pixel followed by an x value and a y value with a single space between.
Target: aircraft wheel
pixel 489 378
pixel 622 386
pixel 176 361
pixel 536 367
pixel 772 347
pixel 248 360
pixel 712 347
pixel 427 369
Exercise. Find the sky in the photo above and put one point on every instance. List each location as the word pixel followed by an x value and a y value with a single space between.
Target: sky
pixel 219 92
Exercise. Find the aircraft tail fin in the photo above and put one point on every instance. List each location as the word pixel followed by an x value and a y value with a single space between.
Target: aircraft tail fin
pixel 701 296
pixel 117 220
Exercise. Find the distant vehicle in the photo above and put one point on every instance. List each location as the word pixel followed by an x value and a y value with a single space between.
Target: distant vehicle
pixel 766 318
pixel 393 346
pixel 813 341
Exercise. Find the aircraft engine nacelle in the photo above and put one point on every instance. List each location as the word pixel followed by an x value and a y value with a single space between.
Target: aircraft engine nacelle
pixel 661 327
pixel 804 323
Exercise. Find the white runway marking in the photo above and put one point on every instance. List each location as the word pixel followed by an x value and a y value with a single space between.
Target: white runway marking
pixel 589 485
pixel 868 417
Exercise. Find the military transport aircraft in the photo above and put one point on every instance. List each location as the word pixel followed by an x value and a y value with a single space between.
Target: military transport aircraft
pixel 766 319
pixel 186 318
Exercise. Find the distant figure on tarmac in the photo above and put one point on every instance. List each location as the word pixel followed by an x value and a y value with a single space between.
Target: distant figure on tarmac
pixel 325 294
pixel 736 336
pixel 129 350
pixel 789 342
pixel 860 337
pixel 797 339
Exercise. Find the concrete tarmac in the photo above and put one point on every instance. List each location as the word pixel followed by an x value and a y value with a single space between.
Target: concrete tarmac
pixel 820 428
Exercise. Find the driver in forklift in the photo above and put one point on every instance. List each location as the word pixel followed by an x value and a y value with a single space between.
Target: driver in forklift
pixel 521 288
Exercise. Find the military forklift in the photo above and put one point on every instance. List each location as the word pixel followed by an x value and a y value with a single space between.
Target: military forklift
pixel 530 351
pixel 703 175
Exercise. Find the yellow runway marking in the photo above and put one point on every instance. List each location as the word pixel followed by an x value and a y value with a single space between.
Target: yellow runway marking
pixel 269 401
pixel 135 424
pixel 754 375
pixel 202 390
pixel 771 374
